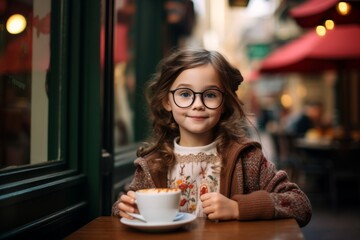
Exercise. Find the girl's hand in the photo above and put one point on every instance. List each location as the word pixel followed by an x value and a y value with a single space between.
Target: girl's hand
pixel 217 206
pixel 127 204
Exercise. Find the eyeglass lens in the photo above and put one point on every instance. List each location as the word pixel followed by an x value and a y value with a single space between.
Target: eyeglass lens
pixel 185 97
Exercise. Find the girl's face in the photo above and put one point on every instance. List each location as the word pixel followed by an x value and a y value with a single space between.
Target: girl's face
pixel 196 121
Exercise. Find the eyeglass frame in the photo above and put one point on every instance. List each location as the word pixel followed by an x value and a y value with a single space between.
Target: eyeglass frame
pixel 201 97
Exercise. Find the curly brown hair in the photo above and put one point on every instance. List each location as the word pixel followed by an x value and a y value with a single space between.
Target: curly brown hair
pixel 164 128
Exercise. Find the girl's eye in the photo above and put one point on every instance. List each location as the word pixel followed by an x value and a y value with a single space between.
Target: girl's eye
pixel 211 94
pixel 185 94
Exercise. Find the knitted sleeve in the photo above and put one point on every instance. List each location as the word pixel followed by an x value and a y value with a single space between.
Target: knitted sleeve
pixel 288 199
pixel 142 179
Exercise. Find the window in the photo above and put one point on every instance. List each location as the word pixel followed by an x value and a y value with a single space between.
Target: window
pixel 24 71
pixel 124 72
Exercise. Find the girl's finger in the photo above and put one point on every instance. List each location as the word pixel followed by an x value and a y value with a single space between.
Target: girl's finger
pixel 128 199
pixel 205 197
pixel 131 194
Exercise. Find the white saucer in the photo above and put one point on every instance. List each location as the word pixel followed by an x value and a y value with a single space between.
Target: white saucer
pixel 138 224
pixel 140 217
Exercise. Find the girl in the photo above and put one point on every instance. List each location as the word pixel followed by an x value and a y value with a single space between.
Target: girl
pixel 200 145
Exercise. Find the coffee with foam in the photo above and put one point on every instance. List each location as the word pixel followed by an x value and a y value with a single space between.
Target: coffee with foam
pixel 158 190
pixel 158 205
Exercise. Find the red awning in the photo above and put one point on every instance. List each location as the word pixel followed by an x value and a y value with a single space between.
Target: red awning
pixel 315 12
pixel 312 53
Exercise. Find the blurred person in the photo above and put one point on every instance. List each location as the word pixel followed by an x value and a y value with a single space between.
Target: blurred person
pixel 309 119
pixel 200 145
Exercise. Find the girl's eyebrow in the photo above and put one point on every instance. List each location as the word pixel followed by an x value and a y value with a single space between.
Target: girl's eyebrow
pixel 184 85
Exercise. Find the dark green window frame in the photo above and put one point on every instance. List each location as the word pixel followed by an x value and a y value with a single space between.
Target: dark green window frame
pixel 56 197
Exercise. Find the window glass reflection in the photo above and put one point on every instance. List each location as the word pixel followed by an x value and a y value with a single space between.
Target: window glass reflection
pixel 124 72
pixel 24 61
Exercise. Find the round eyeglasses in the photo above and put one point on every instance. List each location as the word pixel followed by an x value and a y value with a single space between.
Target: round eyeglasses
pixel 185 97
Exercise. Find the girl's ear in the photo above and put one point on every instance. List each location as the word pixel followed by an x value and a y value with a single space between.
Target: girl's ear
pixel 166 104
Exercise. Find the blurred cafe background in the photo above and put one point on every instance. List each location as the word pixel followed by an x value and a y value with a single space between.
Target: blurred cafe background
pixel 72 110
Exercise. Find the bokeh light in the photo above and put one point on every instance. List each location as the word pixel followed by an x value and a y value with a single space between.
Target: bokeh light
pixel 16 24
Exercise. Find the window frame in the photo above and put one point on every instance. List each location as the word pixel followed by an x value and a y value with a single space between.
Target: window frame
pixel 56 197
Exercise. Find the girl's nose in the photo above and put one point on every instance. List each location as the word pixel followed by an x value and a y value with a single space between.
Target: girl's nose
pixel 198 103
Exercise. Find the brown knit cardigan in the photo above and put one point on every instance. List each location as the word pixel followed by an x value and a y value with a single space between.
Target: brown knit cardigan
pixel 247 177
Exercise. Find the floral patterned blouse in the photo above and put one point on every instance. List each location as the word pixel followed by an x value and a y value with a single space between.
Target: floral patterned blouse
pixel 197 171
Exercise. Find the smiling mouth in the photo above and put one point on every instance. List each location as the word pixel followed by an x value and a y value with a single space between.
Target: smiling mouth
pixel 197 117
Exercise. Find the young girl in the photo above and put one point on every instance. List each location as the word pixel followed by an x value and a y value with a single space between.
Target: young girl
pixel 200 145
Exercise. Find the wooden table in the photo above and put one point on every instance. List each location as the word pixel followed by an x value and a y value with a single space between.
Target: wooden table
pixel 112 228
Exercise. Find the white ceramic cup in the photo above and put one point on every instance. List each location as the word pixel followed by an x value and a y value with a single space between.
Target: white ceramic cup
pixel 158 205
